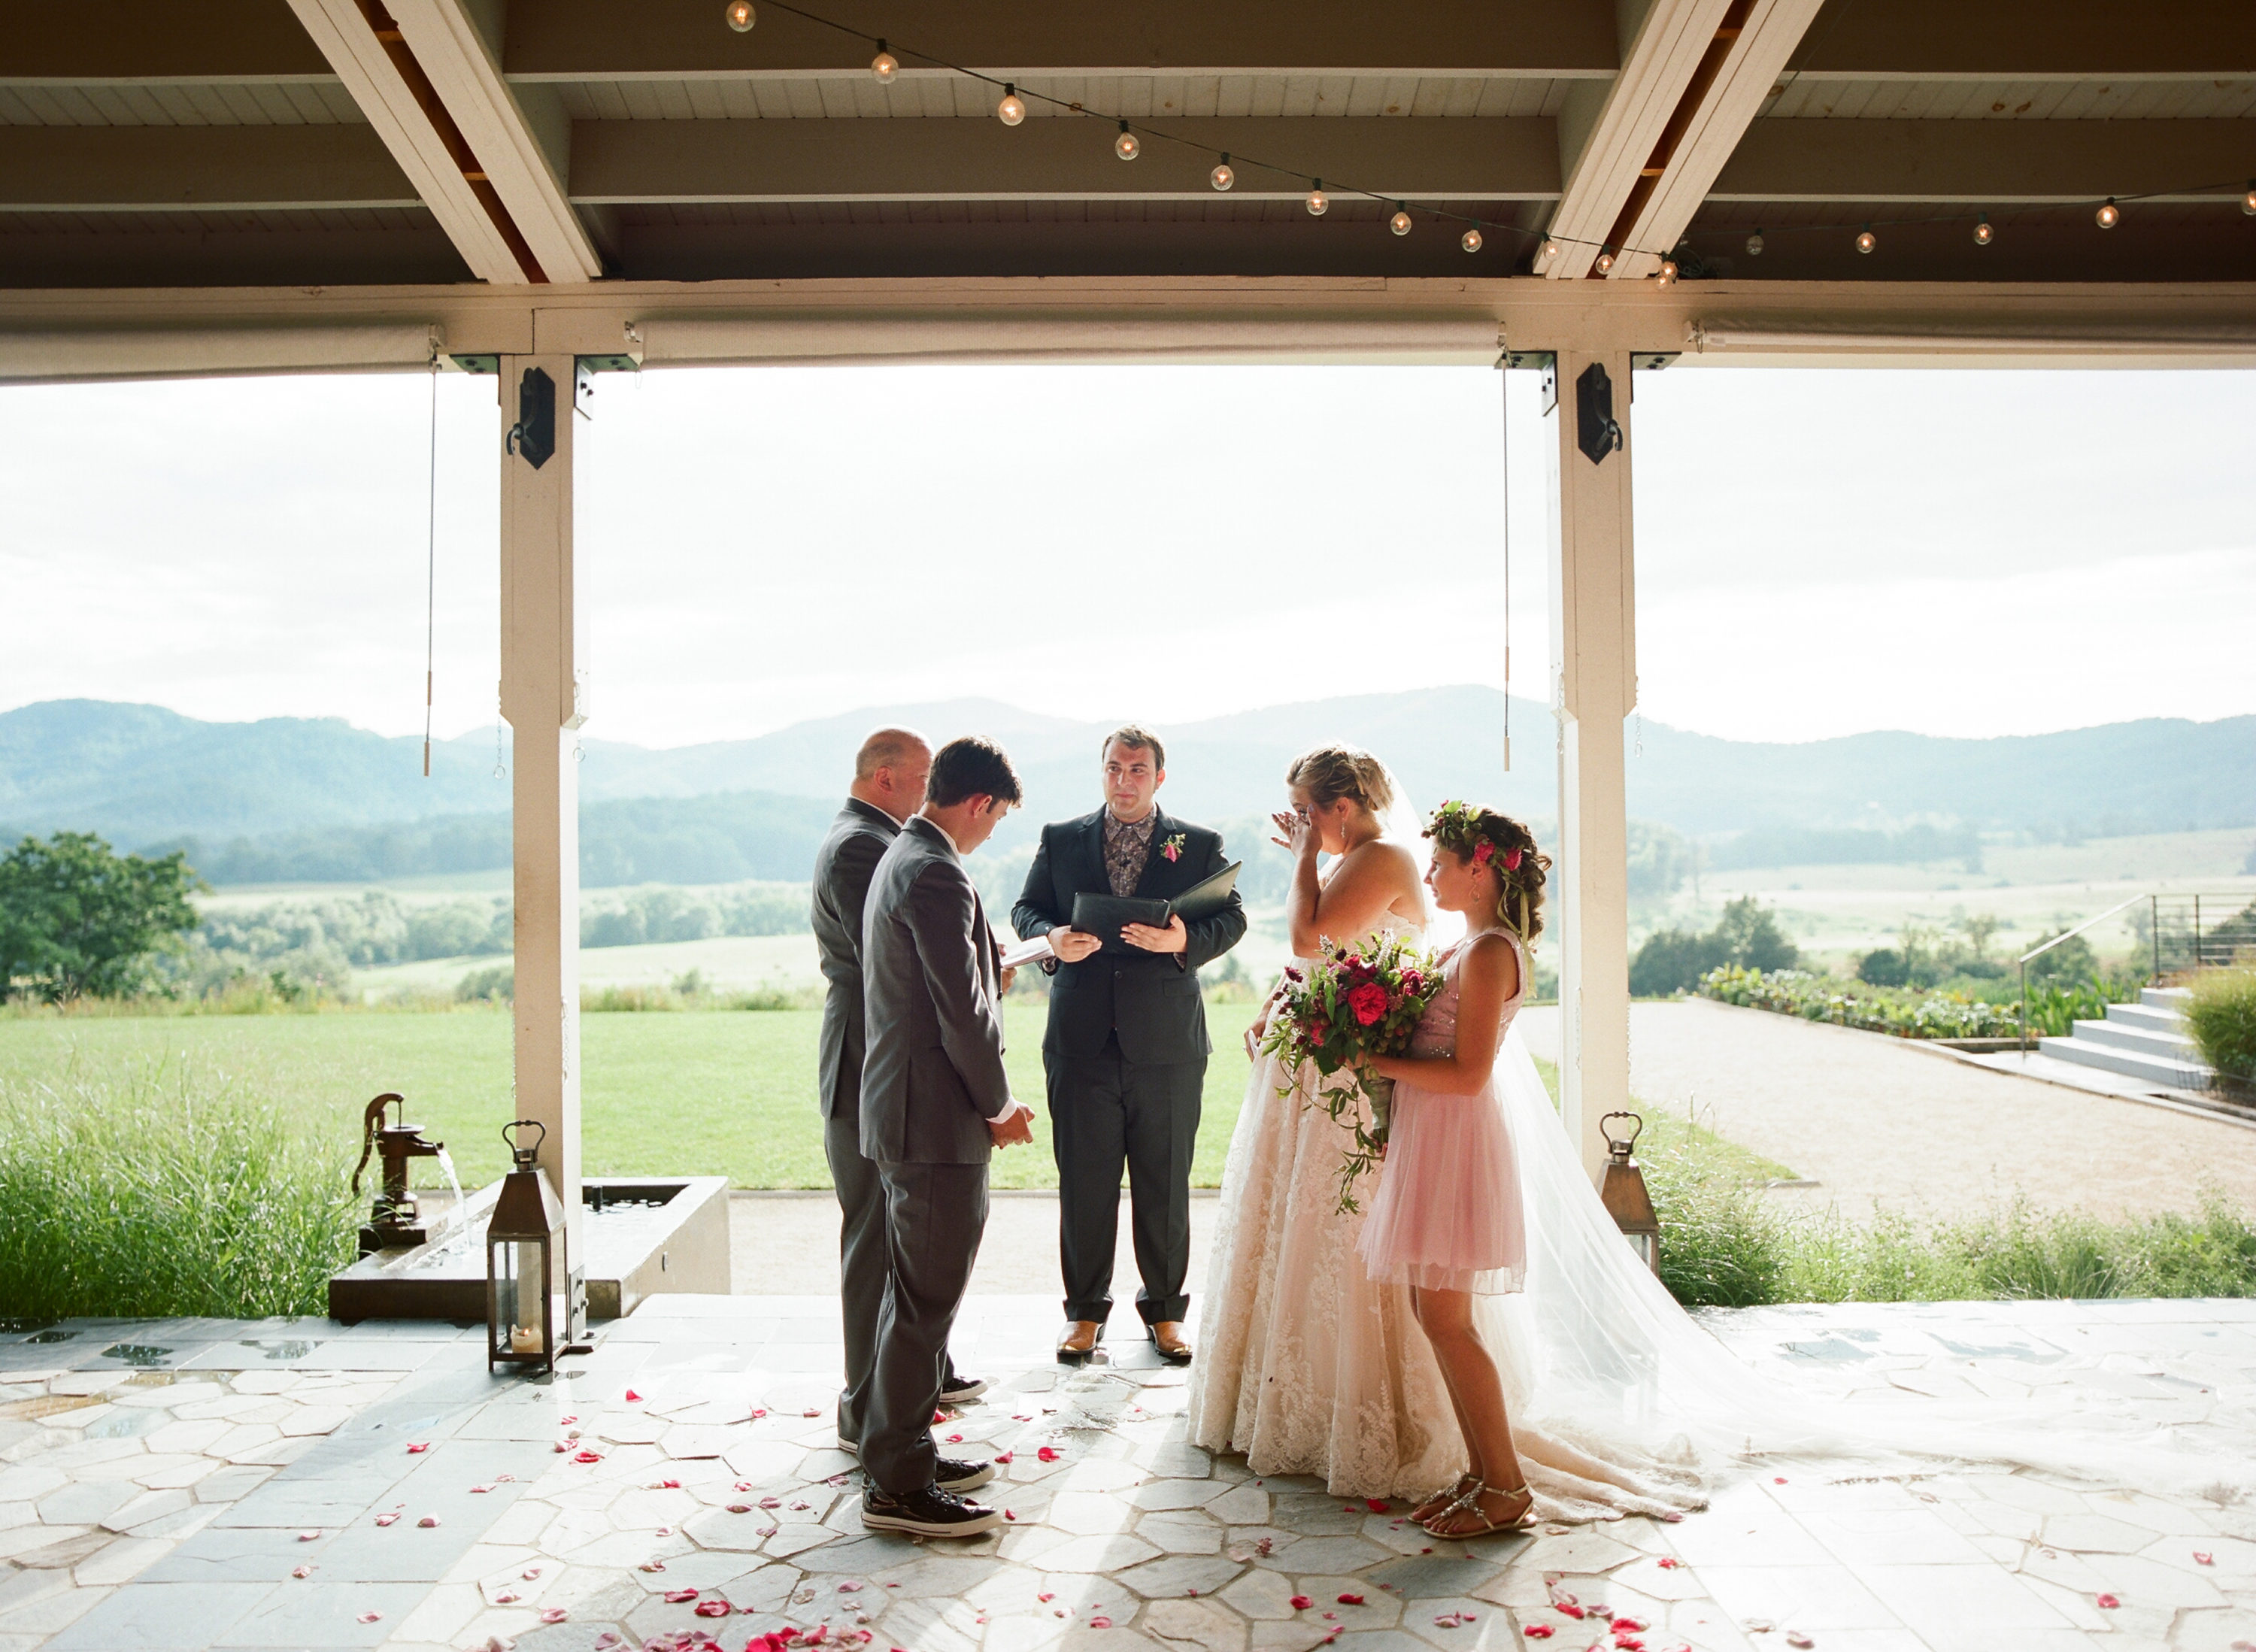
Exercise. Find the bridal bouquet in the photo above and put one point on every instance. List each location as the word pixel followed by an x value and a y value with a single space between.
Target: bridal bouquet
pixel 1350 1005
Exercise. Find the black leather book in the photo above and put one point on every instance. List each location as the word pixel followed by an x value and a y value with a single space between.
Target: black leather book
pixel 1104 916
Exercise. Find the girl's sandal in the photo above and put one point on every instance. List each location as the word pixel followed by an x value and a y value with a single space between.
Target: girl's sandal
pixel 1470 1502
pixel 1433 1507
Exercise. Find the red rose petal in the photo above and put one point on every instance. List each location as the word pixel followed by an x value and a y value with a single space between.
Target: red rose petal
pixel 1010 1515
pixel 810 1413
pixel 1004 1457
pixel 419 1445
pixel 1629 1626
pixel 1537 1632
pixel 675 1597
pixel 1302 1603
pixel 956 1439
pixel 1570 1608
pixel 586 1456
pixel 633 1398
pixel 1100 1623
pixel 369 1617
pixel 669 1485
pixel 1350 1600
pixel 711 1608
pixel 1668 1563
pixel 2109 1601
pixel 1048 1454
pixel 1376 1505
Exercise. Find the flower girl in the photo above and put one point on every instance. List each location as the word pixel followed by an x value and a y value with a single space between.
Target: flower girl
pixel 1446 1220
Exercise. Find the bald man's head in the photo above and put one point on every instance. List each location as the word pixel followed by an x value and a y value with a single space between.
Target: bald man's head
pixel 891 769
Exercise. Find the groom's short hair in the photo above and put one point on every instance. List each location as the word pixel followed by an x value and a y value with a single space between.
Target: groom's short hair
pixel 1131 734
pixel 972 767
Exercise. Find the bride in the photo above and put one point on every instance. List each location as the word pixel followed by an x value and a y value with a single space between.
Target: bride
pixel 1307 1366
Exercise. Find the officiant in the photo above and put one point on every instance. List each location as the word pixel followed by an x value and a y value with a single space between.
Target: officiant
pixel 1126 1048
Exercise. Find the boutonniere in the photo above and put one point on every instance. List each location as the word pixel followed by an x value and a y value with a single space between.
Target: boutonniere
pixel 1173 849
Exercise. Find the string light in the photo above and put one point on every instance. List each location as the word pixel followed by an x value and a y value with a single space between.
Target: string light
pixel 1550 251
pixel 2248 201
pixel 1401 222
pixel 1318 202
pixel 1867 240
pixel 1011 110
pixel 739 13
pixel 1605 259
pixel 1127 145
pixel 1984 235
pixel 2109 214
pixel 1470 241
pixel 1755 244
pixel 884 65
pixel 1668 273
pixel 1222 177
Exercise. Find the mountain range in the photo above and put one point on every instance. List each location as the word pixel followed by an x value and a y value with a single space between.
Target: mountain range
pixel 143 776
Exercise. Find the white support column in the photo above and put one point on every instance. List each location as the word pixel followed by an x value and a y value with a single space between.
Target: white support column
pixel 541 687
pixel 1594 646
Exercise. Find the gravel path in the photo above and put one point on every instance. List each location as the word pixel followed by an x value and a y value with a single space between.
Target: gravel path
pixel 1880 1123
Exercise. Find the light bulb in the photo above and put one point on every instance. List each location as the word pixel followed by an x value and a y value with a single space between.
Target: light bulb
pixel 739 13
pixel 1011 110
pixel 1866 241
pixel 1127 145
pixel 1550 250
pixel 2109 214
pixel 1318 202
pixel 884 65
pixel 1470 241
pixel 1401 222
pixel 1605 259
pixel 1668 272
pixel 1755 244
pixel 1222 177
pixel 2248 201
pixel 1984 235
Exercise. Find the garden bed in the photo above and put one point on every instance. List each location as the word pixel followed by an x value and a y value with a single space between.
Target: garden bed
pixel 1900 1012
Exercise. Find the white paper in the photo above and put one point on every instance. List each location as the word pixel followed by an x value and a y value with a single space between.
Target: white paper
pixel 1025 952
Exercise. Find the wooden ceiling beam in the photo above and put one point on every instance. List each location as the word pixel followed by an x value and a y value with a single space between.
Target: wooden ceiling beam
pixel 463 70
pixel 685 162
pixel 102 169
pixel 1984 162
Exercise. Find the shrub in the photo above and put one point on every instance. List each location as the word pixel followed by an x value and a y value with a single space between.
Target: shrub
pixel 1816 997
pixel 2221 1019
pixel 79 920
pixel 152 1190
pixel 496 983
pixel 1673 960
pixel 1883 967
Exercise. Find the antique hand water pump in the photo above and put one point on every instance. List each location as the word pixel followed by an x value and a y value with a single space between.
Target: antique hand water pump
pixel 394 1221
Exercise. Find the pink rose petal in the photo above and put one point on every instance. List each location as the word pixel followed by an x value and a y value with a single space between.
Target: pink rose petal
pixel 1045 1597
pixel 675 1597
pixel 956 1439
pixel 507 1598
pixel 1537 1632
pixel 1009 1515
pixel 481 1488
pixel 419 1445
pixel 553 1614
pixel 1100 1623
pixel 1004 1457
pixel 369 1617
pixel 1668 1563
pixel 651 1566
pixel 301 1572
pixel 2200 1558
pixel 1048 1454
pixel 711 1608
pixel 385 1520
pixel 849 1588
pixel 810 1413
pixel 2109 1601
pixel 309 1536
pixel 428 1521
pixel 587 1456
pixel 633 1398
pixel 758 1411
pixel 740 1508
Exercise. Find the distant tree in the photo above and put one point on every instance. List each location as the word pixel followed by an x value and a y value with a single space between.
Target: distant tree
pixel 1752 938
pixel 78 920
pixel 2072 960
pixel 1882 966
pixel 1980 930
pixel 1673 960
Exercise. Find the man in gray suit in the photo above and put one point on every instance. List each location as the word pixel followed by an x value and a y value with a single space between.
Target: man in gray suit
pixel 888 778
pixel 936 1104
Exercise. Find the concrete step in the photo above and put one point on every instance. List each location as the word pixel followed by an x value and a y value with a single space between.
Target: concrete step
pixel 2169 1075
pixel 2166 1045
pixel 2147 1017
pixel 2165 998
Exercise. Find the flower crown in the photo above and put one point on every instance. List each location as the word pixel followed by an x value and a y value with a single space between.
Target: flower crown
pixel 1463 828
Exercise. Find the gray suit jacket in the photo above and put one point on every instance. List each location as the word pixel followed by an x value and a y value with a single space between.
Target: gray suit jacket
pixel 932 1077
pixel 859 836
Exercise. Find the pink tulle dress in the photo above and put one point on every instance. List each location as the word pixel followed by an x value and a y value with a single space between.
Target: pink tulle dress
pixel 1447 1214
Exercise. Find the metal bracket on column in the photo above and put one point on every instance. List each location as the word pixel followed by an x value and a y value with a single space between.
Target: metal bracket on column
pixel 1596 431
pixel 533 438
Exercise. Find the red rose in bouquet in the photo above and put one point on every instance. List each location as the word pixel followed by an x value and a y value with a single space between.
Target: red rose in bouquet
pixel 1350 1005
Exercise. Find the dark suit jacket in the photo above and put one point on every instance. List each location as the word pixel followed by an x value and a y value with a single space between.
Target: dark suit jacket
pixel 1150 999
pixel 932 1077
pixel 859 836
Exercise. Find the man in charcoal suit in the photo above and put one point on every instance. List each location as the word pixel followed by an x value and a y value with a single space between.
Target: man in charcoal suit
pixel 936 1104
pixel 1126 1048
pixel 889 780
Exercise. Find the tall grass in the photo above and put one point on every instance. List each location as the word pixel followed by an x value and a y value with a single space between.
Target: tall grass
pixel 1722 1246
pixel 143 1187
pixel 2222 1018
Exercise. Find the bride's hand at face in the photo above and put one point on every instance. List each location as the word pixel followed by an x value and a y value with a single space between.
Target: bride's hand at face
pixel 1298 833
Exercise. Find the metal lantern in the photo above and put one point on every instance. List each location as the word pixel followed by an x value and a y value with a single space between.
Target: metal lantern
pixel 527 1313
pixel 1623 1190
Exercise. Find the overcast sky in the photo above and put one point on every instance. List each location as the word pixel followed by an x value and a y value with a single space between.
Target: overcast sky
pixel 1818 553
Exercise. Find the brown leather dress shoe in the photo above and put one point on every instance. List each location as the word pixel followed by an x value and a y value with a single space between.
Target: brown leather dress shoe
pixel 1079 1341
pixel 1168 1337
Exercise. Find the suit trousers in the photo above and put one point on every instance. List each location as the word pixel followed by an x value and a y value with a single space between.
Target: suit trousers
pixel 862 1266
pixel 935 1215
pixel 1105 1111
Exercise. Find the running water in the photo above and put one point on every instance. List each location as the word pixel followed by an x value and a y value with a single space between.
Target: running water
pixel 447 1164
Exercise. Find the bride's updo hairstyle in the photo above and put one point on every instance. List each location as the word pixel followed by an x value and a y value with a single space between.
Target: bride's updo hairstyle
pixel 1506 847
pixel 1330 772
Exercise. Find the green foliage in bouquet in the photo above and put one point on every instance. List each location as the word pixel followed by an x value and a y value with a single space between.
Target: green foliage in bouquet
pixel 1353 1004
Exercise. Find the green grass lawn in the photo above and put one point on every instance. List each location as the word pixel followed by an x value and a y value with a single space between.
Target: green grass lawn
pixel 708 1093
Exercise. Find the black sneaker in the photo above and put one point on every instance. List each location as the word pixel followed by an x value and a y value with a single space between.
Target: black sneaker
pixel 929 1513
pixel 952 1475
pixel 963 1390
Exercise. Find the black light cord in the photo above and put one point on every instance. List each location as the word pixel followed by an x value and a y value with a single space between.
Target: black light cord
pixel 1383 198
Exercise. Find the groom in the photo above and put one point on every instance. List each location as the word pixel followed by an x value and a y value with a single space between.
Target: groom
pixel 1125 1051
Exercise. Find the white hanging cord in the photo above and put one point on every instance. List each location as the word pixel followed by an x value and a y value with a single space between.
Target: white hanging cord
pixel 1504 378
pixel 431 568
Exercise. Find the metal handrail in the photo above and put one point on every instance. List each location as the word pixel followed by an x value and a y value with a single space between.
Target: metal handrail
pixel 2067 935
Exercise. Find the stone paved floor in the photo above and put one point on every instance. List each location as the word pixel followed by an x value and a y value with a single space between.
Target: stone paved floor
pixel 1876 1121
pixel 296 1484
